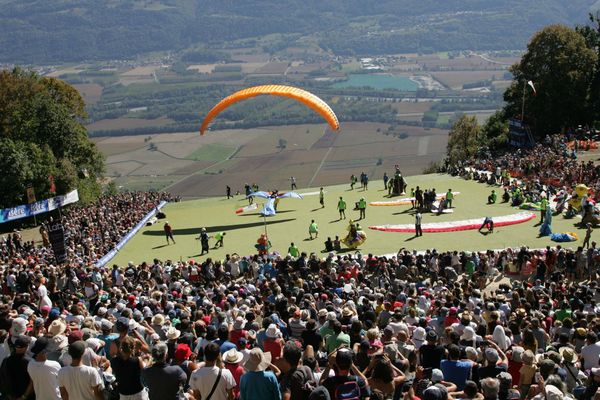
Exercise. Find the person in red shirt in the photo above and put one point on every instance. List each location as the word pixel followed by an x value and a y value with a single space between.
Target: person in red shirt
pixel 452 317
pixel 232 360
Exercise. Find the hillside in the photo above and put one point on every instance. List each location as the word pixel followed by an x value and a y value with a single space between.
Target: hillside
pixel 52 31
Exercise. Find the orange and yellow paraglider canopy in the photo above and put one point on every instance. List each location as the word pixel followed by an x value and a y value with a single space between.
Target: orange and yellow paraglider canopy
pixel 304 97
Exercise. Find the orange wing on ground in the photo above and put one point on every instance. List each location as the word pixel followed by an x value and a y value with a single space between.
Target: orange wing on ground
pixel 304 97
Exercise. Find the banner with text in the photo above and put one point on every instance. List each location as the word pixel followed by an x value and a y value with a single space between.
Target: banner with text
pixel 56 234
pixel 39 207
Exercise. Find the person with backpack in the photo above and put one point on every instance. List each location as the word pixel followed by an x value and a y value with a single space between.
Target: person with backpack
pixel 211 382
pixel 299 381
pixel 348 383
pixel 14 378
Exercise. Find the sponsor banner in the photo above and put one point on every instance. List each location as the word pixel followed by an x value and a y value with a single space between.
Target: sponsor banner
pixel 56 234
pixel 110 255
pixel 39 207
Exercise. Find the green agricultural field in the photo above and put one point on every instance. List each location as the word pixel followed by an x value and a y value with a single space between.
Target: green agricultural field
pixel 294 216
pixel 211 152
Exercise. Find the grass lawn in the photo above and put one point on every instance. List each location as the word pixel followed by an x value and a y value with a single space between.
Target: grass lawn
pixel 294 216
pixel 211 152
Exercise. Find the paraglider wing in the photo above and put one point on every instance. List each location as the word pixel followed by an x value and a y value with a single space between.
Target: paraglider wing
pixel 304 97
pixel 264 195
pixel 291 195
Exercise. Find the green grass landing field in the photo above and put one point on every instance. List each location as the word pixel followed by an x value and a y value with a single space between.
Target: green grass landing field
pixel 294 216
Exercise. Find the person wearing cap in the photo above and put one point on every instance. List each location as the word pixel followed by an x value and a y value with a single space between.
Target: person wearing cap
pixel 43 372
pixel 212 381
pixel 127 370
pixel 495 362
pixel 345 371
pixel 162 380
pixel 78 381
pixel 431 353
pixel 14 379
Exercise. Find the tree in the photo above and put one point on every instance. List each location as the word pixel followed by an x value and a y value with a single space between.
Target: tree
pixel 591 35
pixel 41 134
pixel 495 130
pixel 561 65
pixel 463 139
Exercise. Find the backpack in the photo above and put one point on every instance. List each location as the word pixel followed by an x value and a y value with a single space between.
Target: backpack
pixel 309 384
pixel 348 390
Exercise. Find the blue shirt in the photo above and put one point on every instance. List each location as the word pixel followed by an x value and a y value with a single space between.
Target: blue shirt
pixel 261 385
pixel 456 372
pixel 225 345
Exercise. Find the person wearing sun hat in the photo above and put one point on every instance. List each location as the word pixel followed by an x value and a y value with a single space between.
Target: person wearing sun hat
pixel 258 383
pixel 232 360
pixel 570 364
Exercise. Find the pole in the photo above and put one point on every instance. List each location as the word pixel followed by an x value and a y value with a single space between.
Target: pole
pixel 523 102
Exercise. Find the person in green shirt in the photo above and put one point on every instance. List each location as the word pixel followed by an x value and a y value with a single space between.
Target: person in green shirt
pixel 341 206
pixel 219 236
pixel 313 229
pixel 449 198
pixel 338 338
pixel 543 207
pixel 293 250
pixel 563 313
pixel 470 267
pixel 492 197
pixel 362 207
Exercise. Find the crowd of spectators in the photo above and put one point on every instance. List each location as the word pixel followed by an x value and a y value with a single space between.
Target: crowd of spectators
pixel 493 325
pixel 553 162
pixel 413 326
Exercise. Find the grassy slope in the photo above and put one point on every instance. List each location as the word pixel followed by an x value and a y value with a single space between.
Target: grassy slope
pixel 291 224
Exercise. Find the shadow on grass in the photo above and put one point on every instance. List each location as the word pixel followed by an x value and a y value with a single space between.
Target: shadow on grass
pixel 216 228
pixel 159 247
pixel 257 214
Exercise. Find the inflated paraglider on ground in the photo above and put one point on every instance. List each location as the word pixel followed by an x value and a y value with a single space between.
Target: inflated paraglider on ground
pixel 355 236
pixel 273 198
pixel 300 95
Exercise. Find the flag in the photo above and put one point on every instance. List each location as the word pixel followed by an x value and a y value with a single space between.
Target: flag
pixel 530 83
pixel 52 185
pixel 250 207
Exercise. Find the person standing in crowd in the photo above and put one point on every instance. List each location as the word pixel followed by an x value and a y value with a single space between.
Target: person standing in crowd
pixel 348 381
pixel 14 378
pixel 168 232
pixel 293 180
pixel 164 382
pixel 258 383
pixel 127 370
pixel 228 192
pixel 78 381
pixel 212 381
pixel 43 372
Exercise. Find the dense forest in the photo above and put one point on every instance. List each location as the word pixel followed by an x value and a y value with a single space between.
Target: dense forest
pixel 52 31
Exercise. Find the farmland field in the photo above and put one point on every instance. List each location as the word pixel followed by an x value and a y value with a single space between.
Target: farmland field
pixel 378 81
pixel 193 166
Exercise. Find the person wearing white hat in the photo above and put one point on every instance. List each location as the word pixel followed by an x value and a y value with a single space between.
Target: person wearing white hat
pixel 258 383
pixel 418 337
pixel 232 359
pixel 210 381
